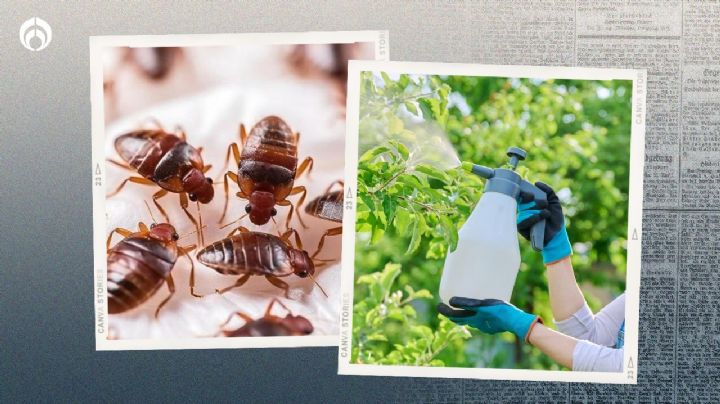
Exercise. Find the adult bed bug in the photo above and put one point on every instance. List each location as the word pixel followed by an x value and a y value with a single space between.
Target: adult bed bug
pixel 251 253
pixel 269 325
pixel 140 263
pixel 328 206
pixel 168 161
pixel 267 170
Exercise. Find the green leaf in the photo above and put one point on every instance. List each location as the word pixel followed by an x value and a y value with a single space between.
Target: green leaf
pixel 417 230
pixel 422 294
pixel 401 148
pixel 389 205
pixel 426 108
pixel 451 232
pixel 369 201
pixel 388 276
pixel 423 332
pixel 411 107
pixel 440 339
pixel 403 219
pixel 403 81
pixel 377 234
pixel 372 153
pixel 432 172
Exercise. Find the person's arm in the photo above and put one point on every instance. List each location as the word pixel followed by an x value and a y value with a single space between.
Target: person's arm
pixel 565 295
pixel 559 347
pixel 493 316
pixel 576 354
pixel 570 311
pixel 602 328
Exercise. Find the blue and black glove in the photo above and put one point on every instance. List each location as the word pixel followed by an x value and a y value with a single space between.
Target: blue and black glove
pixel 557 245
pixel 490 316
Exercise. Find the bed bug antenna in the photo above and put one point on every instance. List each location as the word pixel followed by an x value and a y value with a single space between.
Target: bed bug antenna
pixel 191 232
pixel 201 236
pixel 150 210
pixel 234 221
pixel 318 285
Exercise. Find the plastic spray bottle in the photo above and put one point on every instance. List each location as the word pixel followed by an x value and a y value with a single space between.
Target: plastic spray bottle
pixel 487 258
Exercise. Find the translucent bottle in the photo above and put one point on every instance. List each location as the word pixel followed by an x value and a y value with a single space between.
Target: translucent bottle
pixel 487 258
pixel 486 261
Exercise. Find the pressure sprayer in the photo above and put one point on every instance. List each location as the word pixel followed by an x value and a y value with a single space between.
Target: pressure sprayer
pixel 487 258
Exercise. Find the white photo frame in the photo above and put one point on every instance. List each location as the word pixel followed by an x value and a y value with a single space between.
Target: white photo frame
pixel 634 226
pixel 98 44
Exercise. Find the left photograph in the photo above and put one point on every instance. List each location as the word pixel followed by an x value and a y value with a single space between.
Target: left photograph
pixel 218 187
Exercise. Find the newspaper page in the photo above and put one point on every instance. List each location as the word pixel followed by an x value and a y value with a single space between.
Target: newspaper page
pixel 678 43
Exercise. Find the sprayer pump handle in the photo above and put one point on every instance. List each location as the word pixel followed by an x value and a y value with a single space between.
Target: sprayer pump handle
pixel 517 152
pixel 537 232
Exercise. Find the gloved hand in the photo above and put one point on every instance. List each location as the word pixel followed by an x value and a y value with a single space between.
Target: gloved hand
pixel 557 245
pixel 490 316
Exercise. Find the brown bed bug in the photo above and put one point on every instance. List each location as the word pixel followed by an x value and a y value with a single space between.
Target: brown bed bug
pixel 328 206
pixel 140 264
pixel 251 253
pixel 168 161
pixel 269 325
pixel 267 170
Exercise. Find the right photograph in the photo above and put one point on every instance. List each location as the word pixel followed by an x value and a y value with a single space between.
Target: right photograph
pixel 493 222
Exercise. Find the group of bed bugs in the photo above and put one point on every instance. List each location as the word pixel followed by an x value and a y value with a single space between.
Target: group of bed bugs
pixel 142 261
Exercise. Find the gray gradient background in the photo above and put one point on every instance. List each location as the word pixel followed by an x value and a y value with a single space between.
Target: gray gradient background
pixel 46 277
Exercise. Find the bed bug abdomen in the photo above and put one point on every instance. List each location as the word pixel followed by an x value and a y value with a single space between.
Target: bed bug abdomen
pixel 248 253
pixel 328 206
pixel 136 268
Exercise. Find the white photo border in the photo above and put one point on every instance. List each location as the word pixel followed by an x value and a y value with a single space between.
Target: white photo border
pixel 634 231
pixel 97 44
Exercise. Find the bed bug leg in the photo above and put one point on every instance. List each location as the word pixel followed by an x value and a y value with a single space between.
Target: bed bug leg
pixel 137 180
pixel 329 232
pixel 279 283
pixel 120 231
pixel 171 287
pixel 237 284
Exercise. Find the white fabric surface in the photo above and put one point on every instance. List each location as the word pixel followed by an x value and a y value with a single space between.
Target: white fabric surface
pixel 211 120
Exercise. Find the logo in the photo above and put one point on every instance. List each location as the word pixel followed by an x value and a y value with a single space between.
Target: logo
pixel 35 34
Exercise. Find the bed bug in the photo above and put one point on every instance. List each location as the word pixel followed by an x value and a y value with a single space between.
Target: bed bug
pixel 267 170
pixel 168 161
pixel 269 325
pixel 328 206
pixel 140 264
pixel 251 253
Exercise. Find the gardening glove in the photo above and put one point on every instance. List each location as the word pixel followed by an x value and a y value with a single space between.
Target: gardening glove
pixel 557 245
pixel 490 316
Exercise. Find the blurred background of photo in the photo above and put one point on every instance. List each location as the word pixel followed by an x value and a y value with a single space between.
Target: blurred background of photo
pixel 208 92
pixel 577 136
pixel 136 78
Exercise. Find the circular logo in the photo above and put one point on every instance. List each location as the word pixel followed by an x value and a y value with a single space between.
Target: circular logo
pixel 35 34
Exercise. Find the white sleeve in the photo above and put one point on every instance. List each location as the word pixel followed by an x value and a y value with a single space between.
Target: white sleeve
pixel 589 357
pixel 601 329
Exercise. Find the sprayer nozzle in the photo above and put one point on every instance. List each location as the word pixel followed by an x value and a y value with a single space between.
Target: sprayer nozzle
pixel 477 169
pixel 467 166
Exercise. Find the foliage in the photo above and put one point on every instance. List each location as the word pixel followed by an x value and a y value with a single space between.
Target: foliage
pixel 412 198
pixel 386 328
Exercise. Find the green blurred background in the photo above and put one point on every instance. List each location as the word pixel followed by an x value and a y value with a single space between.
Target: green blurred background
pixel 411 202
